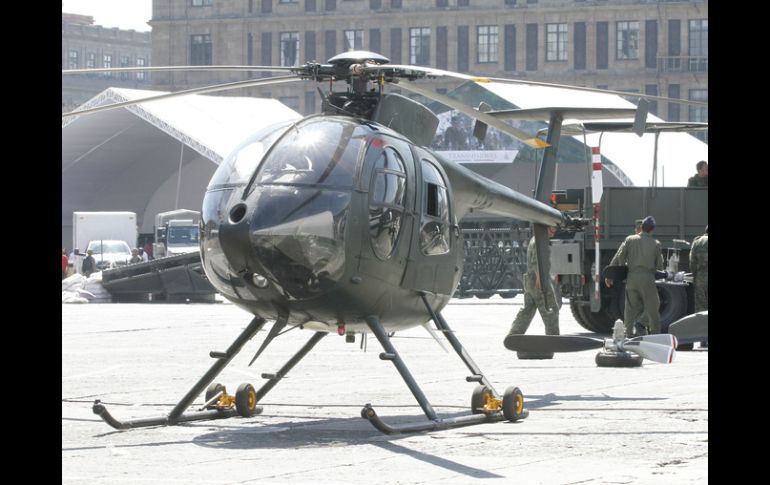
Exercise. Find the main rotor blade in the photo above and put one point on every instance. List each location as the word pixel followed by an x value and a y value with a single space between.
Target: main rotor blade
pixel 178 68
pixel 652 351
pixel 544 114
pixel 576 129
pixel 552 343
pixel 530 140
pixel 206 89
pixel 429 71
pixel 692 328
pixel 595 90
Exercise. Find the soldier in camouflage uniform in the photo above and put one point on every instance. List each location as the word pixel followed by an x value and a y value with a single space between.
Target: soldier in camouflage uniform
pixel 535 297
pixel 699 265
pixel 642 254
pixel 700 179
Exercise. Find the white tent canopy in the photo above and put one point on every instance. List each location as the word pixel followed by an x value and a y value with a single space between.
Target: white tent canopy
pixel 128 158
pixel 677 152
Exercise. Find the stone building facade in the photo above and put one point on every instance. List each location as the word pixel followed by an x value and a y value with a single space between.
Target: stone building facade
pixel 647 46
pixel 85 45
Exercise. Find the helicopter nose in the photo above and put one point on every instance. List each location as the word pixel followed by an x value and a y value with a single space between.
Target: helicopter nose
pixel 234 239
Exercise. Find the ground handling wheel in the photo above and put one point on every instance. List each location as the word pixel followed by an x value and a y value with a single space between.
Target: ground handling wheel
pixel 481 396
pixel 513 404
pixel 246 400
pixel 618 359
pixel 212 391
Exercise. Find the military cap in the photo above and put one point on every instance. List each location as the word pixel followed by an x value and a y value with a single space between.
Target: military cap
pixel 648 221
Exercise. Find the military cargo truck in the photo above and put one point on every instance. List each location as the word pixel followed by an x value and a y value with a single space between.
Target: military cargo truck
pixel 681 215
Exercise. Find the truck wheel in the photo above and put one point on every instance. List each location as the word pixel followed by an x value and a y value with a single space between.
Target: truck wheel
pixel 673 305
pixel 599 322
pixel 579 314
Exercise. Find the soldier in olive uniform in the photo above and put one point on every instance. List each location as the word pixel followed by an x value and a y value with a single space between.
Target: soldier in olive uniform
pixel 535 296
pixel 700 179
pixel 699 265
pixel 642 254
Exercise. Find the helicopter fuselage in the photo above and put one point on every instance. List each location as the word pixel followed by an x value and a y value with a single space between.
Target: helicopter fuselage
pixel 331 219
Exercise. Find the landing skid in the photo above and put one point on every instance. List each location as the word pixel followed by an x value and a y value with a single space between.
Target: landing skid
pixel 487 406
pixel 220 405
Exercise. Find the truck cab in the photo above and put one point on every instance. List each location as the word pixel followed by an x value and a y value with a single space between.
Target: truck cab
pixel 182 236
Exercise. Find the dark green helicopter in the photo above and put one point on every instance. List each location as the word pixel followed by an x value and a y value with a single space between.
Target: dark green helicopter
pixel 344 222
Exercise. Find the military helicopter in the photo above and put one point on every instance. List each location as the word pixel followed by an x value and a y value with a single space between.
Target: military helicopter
pixel 344 221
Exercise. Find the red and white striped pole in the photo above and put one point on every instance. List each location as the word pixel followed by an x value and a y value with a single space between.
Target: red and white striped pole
pixel 596 197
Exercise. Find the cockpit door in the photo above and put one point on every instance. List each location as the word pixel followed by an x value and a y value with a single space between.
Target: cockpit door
pixel 434 264
pixel 389 209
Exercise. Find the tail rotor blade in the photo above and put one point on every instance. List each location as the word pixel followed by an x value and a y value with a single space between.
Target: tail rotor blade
pixel 658 338
pixel 551 343
pixel 692 328
pixel 652 351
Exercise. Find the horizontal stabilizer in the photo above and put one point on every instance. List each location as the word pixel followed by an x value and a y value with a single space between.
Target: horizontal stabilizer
pixel 551 343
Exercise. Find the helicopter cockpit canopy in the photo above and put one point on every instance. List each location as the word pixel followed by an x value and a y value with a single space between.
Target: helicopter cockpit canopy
pixel 296 181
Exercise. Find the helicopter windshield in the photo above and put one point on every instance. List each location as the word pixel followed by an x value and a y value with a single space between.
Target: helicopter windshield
pixel 303 191
pixel 318 152
pixel 238 167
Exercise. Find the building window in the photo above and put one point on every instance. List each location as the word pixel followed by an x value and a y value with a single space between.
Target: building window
pixel 486 42
pixel 107 64
pixel 354 39
pixel 395 45
pixel 288 1
pixel 140 62
pixel 699 113
pixel 602 45
pixel 463 3
pixel 652 89
pixel 556 42
pixel 91 60
pixel 419 46
pixel 201 3
pixel 200 50
pixel 125 61
pixel 673 108
pixel 442 47
pixel 628 40
pixel 579 45
pixel 395 3
pixel 463 43
pixel 289 48
pixel 72 60
pixel 531 47
pixel 699 45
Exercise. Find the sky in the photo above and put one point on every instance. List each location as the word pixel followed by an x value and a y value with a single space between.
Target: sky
pixel 124 14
